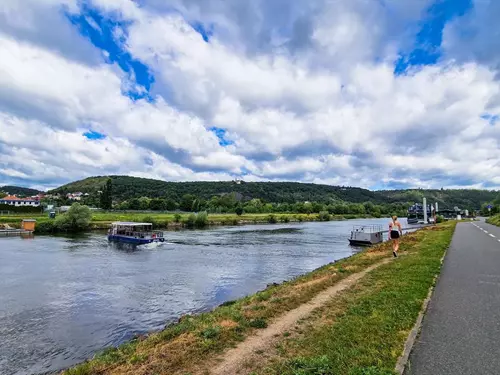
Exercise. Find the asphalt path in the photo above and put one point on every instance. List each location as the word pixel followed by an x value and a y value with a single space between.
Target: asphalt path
pixel 460 333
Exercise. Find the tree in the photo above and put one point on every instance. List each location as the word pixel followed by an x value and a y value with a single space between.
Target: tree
pixel 106 198
pixel 76 219
pixel 187 202
pixel 158 204
pixel 239 210
pixel 134 204
pixel 144 203
pixel 171 205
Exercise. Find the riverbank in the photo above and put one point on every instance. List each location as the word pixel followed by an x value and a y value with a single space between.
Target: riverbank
pixel 358 329
pixel 102 220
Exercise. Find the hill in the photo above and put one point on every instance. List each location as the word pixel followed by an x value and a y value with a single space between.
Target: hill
pixel 463 198
pixel 126 187
pixel 19 191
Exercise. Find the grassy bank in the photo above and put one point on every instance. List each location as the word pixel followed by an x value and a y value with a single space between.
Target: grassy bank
pixel 365 327
pixel 102 220
pixel 495 220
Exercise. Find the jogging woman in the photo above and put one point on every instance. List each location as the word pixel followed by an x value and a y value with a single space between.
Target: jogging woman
pixel 395 232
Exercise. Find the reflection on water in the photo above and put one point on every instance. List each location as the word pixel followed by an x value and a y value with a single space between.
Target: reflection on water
pixel 62 299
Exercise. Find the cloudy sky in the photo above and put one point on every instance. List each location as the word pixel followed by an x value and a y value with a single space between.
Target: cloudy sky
pixel 371 93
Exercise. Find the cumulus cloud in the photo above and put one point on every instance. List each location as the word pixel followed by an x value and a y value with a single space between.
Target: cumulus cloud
pixel 266 90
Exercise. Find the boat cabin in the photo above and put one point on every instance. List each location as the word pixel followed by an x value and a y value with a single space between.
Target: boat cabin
pixel 137 233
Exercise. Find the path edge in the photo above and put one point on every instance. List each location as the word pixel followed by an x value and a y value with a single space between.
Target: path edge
pixel 412 337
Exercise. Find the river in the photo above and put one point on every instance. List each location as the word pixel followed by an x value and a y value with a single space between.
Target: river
pixel 64 298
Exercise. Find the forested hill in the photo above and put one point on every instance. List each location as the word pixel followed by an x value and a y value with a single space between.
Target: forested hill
pixel 19 191
pixel 125 187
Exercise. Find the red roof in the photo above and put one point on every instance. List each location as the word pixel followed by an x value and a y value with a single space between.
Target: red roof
pixel 14 198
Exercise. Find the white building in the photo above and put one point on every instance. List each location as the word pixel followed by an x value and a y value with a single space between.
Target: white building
pixel 12 200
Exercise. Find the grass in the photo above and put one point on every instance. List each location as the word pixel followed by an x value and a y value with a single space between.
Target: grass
pixel 495 220
pixel 193 341
pixel 363 331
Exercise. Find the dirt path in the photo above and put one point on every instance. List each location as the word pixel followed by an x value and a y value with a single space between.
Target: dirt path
pixel 233 361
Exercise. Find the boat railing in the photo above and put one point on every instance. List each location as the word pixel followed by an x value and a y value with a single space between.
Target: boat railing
pixel 157 234
pixel 369 228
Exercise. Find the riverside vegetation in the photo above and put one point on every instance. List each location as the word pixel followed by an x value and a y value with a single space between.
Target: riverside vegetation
pixel 360 331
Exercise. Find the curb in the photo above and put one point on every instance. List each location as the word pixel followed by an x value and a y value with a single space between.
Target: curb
pixel 412 337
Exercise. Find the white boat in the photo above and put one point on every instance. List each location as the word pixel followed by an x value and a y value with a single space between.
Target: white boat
pixel 366 235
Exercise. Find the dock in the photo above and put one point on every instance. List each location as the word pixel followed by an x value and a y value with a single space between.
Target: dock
pixel 14 232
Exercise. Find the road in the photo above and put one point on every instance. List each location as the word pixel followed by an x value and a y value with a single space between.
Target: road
pixel 460 333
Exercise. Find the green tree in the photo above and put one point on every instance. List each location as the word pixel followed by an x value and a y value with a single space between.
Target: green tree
pixel 239 210
pixel 171 205
pixel 106 198
pixel 187 202
pixel 144 203
pixel 134 204
pixel 77 219
pixel 158 204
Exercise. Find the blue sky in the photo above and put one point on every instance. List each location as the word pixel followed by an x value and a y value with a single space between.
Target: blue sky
pixel 382 94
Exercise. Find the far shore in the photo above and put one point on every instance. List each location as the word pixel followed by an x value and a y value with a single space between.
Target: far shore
pixel 175 220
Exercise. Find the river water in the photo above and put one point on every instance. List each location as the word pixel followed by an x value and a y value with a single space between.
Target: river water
pixel 64 298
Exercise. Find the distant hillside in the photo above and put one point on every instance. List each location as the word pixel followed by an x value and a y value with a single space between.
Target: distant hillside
pixel 20 191
pixel 125 187
pixel 465 198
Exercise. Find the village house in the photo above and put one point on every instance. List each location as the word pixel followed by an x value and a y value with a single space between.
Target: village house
pixel 12 200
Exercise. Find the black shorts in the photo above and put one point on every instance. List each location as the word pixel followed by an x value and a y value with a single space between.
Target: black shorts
pixel 394 234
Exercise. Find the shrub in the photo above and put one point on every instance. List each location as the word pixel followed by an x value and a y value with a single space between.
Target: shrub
pixel 210 333
pixel 150 219
pixel 190 221
pixel 272 219
pixel 324 216
pixel 239 211
pixel 439 219
pixel 45 227
pixel 177 218
pixel 201 219
pixel 258 323
pixel 76 219
pixel 285 219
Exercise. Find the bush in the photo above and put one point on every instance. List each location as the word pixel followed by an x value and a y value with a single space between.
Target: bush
pixel 177 218
pixel 285 219
pixel 324 216
pixel 271 219
pixel 258 323
pixel 439 219
pixel 150 219
pixel 190 221
pixel 45 227
pixel 239 211
pixel 201 219
pixel 77 219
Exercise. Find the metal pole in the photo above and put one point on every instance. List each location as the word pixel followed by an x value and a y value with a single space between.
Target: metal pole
pixel 425 211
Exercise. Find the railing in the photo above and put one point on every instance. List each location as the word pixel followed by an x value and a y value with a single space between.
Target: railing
pixel 138 234
pixel 370 228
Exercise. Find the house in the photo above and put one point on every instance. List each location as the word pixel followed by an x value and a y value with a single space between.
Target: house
pixel 74 196
pixel 12 200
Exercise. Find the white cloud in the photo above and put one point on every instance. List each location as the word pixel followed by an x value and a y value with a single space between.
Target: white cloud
pixel 319 102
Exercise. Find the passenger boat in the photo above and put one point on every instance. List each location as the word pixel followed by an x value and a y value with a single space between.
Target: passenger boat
pixel 134 233
pixel 416 214
pixel 366 235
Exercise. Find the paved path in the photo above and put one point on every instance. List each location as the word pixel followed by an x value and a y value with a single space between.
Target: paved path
pixel 461 331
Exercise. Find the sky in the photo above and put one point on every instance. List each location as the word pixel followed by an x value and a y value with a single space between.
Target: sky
pixel 381 94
